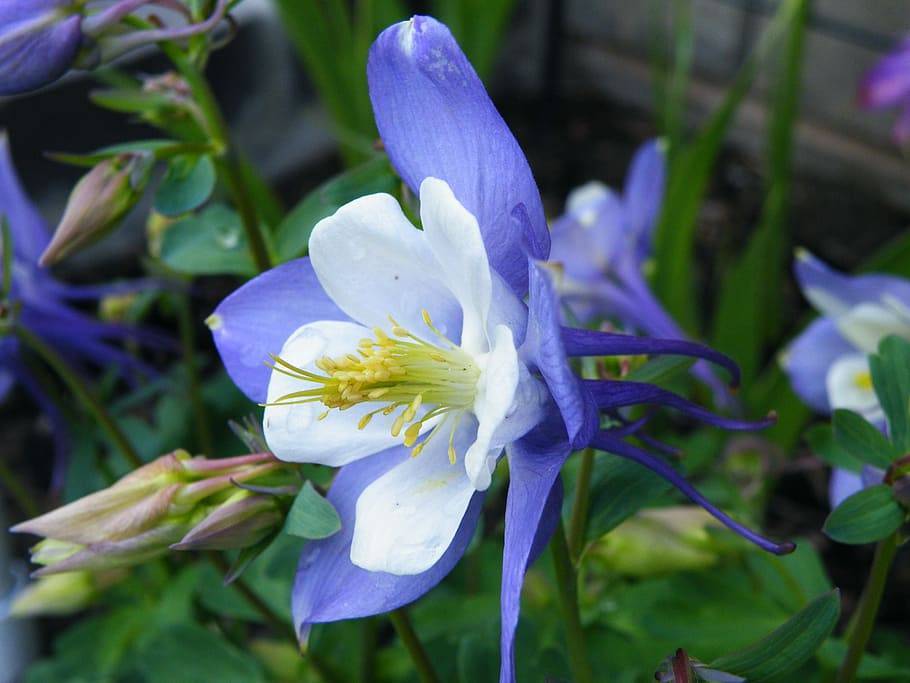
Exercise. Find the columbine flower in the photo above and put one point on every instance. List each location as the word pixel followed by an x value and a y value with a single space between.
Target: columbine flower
pixel 39 303
pixel 40 40
pixel 409 359
pixel 828 363
pixel 887 84
pixel 601 246
pixel 175 501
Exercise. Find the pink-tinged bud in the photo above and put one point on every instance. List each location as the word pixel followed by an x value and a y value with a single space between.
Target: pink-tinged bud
pixel 62 594
pixel 98 202
pixel 241 521
pixel 194 501
pixel 39 42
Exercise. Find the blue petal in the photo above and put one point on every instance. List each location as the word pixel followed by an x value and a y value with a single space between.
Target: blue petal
pixel 808 359
pixel 643 194
pixel 607 442
pixel 27 229
pixel 258 318
pixel 544 349
pixel 585 250
pixel 329 588
pixel 36 58
pixel 532 509
pixel 580 342
pixel 611 394
pixel 436 120
pixel 844 290
pixel 843 484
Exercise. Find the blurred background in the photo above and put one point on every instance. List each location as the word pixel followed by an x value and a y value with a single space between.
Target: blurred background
pixel 582 84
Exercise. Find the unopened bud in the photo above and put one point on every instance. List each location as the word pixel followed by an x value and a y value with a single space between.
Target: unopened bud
pixel 241 521
pixel 62 594
pixel 98 202
pixel 39 42
pixel 660 541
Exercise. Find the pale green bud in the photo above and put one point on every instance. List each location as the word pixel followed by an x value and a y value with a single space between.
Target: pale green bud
pixel 62 594
pixel 98 202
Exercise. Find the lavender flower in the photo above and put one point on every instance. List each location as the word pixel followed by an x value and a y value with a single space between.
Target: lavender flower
pixel 40 40
pixel 602 244
pixel 41 304
pixel 887 84
pixel 828 363
pixel 410 360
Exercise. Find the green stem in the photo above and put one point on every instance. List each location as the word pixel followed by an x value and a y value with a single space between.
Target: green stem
pixel 405 630
pixel 82 393
pixel 864 620
pixel 18 491
pixel 188 343
pixel 579 520
pixel 367 650
pixel 227 161
pixel 568 602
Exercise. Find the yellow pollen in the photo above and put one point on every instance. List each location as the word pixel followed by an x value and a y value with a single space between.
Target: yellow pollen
pixel 863 380
pixel 401 372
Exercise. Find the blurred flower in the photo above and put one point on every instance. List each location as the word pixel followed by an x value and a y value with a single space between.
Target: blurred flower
pixel 828 363
pixel 387 334
pixel 98 202
pixel 40 303
pixel 601 247
pixel 176 500
pixel 887 84
pixel 660 541
pixel 40 40
pixel 62 594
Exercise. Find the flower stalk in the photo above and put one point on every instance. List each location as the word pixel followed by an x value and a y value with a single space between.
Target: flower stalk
pixel 226 159
pixel 578 521
pixel 568 602
pixel 864 620
pixel 83 394
pixel 405 630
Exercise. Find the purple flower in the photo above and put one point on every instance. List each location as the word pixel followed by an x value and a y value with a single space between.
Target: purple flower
pixel 828 363
pixel 40 303
pixel 601 245
pixel 40 40
pixel 887 84
pixel 409 358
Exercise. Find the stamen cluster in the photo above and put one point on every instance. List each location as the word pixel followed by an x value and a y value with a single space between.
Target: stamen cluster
pixel 401 371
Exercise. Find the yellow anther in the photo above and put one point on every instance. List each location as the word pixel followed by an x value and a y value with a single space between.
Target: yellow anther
pixel 365 420
pixel 324 415
pixel 397 425
pixel 453 457
pixel 428 321
pixel 412 409
pixel 411 434
pixel 418 448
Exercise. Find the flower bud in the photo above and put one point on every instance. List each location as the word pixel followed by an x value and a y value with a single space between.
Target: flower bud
pixel 659 541
pixel 241 521
pixel 39 42
pixel 99 201
pixel 62 594
pixel 196 502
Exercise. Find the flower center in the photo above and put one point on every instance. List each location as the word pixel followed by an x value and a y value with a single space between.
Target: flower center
pixel 401 372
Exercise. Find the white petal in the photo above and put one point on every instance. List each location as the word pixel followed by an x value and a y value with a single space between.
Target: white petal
pixel 499 374
pixel 849 386
pixel 583 202
pixel 454 237
pixel 293 432
pixel 373 263
pixel 406 519
pixel 867 324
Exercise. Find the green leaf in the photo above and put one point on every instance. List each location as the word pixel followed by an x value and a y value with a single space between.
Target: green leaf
pixel 821 442
pixel 862 440
pixel 187 185
pixel 311 515
pixel 787 647
pixel 92 158
pixel 209 243
pixel 187 653
pixel 891 376
pixel 619 489
pixel 688 182
pixel 661 369
pixel 294 232
pixel 477 659
pixel 866 516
